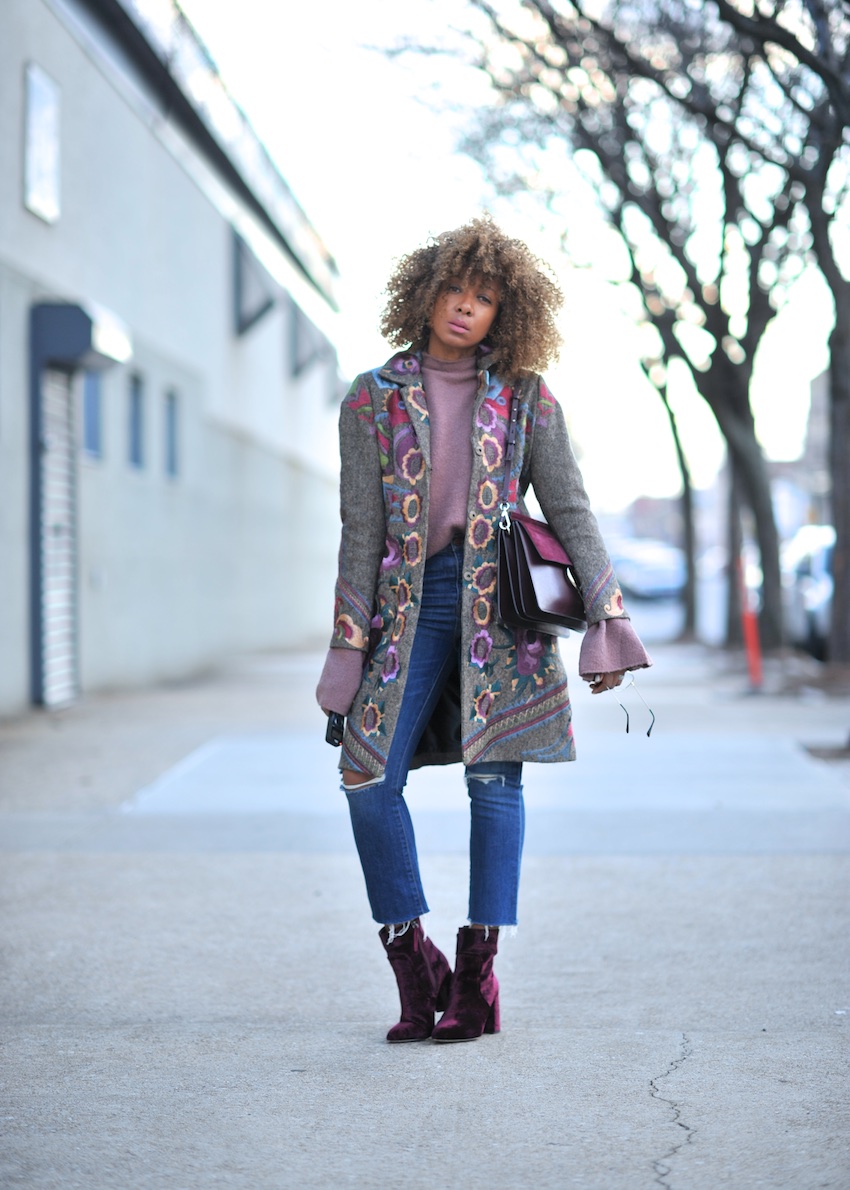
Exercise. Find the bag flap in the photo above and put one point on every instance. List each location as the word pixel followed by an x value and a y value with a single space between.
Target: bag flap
pixel 543 539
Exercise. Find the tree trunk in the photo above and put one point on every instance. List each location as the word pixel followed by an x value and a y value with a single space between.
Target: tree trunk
pixel 755 484
pixel 689 544
pixel 689 626
pixel 734 543
pixel 839 466
pixel 750 470
pixel 752 482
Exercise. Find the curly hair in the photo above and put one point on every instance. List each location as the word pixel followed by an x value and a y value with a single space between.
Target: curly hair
pixel 524 336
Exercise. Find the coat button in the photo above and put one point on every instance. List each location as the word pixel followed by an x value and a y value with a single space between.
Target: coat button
pixel 467 574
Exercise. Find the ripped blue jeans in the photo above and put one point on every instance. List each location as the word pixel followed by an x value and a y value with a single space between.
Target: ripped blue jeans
pixel 383 830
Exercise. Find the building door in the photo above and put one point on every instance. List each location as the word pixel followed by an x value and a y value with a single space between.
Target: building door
pixel 57 541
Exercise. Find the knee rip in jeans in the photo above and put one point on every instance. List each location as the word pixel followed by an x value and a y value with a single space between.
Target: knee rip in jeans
pixel 360 785
pixel 486 778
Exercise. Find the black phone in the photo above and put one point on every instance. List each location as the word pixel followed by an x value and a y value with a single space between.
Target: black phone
pixel 336 728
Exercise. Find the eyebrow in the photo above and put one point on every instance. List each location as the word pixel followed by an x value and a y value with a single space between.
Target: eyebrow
pixel 493 287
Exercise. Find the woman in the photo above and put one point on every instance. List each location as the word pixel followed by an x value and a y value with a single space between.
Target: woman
pixel 419 663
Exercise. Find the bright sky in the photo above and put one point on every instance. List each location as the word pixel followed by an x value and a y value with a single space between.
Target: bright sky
pixel 376 172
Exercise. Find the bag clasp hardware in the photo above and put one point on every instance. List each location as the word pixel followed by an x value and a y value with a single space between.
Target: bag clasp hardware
pixel 505 518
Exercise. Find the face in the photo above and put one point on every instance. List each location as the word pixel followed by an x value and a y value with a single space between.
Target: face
pixel 462 316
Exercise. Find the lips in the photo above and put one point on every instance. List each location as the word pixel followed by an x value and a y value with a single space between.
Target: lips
pixel 458 327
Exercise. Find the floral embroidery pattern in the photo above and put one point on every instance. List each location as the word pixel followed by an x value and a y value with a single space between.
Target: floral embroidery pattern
pixel 483 702
pixel 615 607
pixel 396 411
pixel 530 647
pixel 360 402
pixel 480 532
pixel 484 578
pixel 399 626
pixel 488 495
pixel 345 629
pixel 411 508
pixel 405 363
pixel 372 719
pixel 416 400
pixel 412 549
pixel 403 594
pixel 392 555
pixel 411 464
pixel 482 612
pixel 481 648
pixel 492 453
pixel 486 419
pixel 383 452
pixel 390 669
pixel 545 406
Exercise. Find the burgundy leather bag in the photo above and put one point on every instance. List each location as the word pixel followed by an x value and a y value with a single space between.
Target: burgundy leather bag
pixel 535 586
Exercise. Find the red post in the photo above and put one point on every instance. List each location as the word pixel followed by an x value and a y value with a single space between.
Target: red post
pixel 750 628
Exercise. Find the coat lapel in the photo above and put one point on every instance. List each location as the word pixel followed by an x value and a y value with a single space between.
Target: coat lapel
pixel 404 372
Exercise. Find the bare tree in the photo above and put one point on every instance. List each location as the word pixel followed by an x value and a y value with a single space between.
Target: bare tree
pixel 805 49
pixel 713 232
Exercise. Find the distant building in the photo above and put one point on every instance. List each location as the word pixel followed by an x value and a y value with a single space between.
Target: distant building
pixel 168 380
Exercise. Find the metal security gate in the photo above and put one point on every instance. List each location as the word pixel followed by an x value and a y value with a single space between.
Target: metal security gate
pixel 63 339
pixel 57 542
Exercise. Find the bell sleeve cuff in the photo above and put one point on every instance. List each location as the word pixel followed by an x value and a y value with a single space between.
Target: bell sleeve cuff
pixel 609 646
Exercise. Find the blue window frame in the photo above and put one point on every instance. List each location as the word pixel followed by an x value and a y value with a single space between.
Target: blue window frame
pixel 172 425
pixel 92 414
pixel 136 422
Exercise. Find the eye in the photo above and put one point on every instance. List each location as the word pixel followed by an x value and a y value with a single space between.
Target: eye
pixel 488 301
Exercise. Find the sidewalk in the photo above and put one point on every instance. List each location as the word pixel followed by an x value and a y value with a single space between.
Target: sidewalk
pixel 194 996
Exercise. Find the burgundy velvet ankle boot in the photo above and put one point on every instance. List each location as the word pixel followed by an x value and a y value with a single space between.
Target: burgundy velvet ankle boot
pixel 423 976
pixel 473 1006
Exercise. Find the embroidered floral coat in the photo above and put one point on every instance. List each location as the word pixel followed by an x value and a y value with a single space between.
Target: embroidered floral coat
pixel 511 688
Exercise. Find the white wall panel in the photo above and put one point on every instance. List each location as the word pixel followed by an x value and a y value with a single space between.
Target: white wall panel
pixel 173 574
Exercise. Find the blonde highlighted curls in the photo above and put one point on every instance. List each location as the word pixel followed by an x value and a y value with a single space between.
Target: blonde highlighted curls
pixel 524 337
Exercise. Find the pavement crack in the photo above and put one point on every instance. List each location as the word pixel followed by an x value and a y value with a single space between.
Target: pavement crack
pixel 661 1165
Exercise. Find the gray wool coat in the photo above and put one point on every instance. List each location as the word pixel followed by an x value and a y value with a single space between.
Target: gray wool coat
pixel 509 698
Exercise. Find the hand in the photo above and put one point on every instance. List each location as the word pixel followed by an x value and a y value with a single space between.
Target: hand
pixel 599 683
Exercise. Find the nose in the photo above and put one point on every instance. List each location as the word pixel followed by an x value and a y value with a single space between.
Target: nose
pixel 464 301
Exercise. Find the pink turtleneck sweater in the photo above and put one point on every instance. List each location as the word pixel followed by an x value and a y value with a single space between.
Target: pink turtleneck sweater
pixel 451 388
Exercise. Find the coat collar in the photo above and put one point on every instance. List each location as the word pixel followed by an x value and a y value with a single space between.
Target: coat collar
pixel 403 371
pixel 405 367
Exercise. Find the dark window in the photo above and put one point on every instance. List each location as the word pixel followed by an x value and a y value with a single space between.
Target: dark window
pixel 92 407
pixel 307 344
pixel 171 432
pixel 136 423
pixel 254 291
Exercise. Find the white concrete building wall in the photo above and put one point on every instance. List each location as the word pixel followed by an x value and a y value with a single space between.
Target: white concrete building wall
pixel 174 573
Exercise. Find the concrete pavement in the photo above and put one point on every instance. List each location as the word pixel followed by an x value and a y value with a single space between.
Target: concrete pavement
pixel 193 994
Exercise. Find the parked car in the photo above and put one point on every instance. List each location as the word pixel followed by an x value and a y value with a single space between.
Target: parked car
pixel 807 587
pixel 648 569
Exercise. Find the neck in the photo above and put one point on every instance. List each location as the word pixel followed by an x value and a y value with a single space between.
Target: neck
pixel 449 354
pixel 465 364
